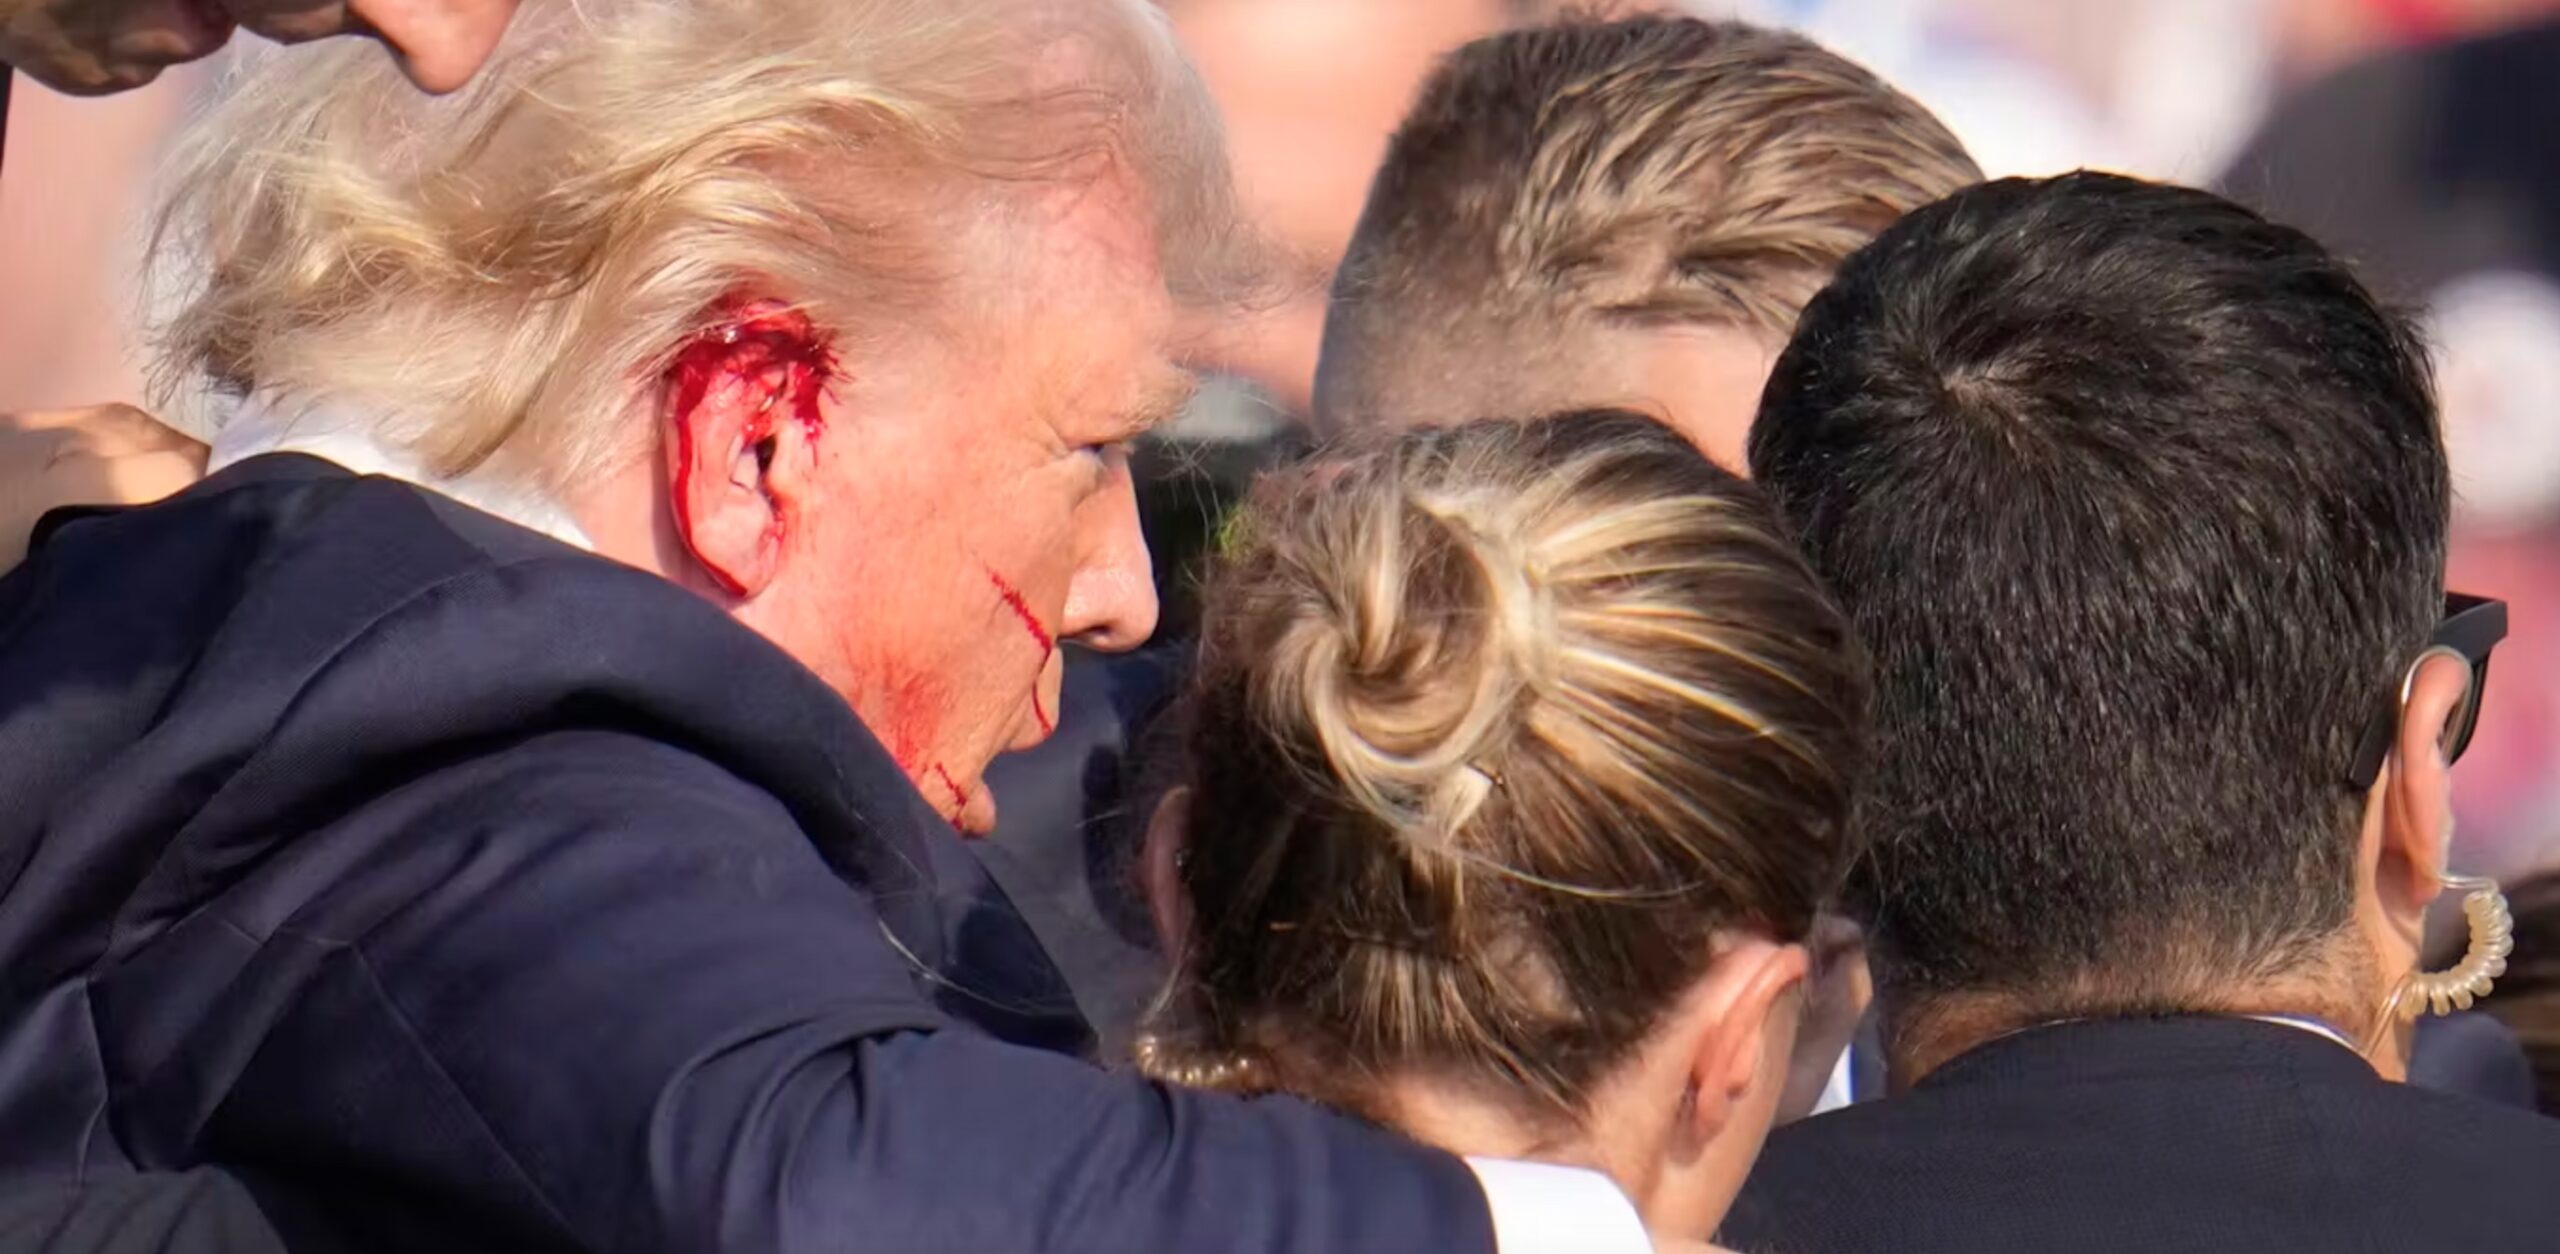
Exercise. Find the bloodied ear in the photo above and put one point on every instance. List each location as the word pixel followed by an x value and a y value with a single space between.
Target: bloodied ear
pixel 737 398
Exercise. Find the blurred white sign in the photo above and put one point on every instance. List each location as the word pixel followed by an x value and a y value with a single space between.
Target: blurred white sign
pixel 2497 335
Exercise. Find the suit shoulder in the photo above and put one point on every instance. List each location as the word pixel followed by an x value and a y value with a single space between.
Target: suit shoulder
pixel 593 778
pixel 2496 1138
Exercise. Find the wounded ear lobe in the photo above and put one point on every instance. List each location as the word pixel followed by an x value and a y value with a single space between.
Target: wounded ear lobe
pixel 737 399
pixel 721 446
pixel 717 492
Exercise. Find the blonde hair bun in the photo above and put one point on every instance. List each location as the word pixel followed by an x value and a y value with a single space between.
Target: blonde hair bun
pixel 1495 725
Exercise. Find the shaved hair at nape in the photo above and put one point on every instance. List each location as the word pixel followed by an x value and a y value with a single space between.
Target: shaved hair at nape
pixel 1557 186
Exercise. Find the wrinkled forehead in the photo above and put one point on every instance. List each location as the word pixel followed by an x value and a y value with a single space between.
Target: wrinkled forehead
pixel 1070 287
pixel 1701 379
pixel 1131 104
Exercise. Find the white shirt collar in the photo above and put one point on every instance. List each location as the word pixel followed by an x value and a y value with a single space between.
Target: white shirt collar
pixel 2298 1023
pixel 1542 1208
pixel 262 425
pixel 2312 1026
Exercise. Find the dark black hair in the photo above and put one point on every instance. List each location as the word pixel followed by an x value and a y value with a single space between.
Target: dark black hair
pixel 2139 501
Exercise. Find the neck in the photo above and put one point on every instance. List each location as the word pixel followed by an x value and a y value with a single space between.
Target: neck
pixel 1464 1122
pixel 621 512
pixel 1927 1033
pixel 348 436
pixel 625 518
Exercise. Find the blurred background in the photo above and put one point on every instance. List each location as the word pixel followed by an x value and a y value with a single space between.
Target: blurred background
pixel 2420 137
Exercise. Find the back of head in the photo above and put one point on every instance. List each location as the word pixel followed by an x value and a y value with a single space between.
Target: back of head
pixel 1496 729
pixel 492 276
pixel 1556 187
pixel 2139 502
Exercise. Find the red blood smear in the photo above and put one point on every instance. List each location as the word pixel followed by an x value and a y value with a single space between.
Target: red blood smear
pixel 1039 635
pixel 912 717
pixel 753 339
pixel 1022 610
pixel 959 796
pixel 692 374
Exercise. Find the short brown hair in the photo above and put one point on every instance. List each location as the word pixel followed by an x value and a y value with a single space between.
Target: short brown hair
pixel 1650 169
pixel 1496 727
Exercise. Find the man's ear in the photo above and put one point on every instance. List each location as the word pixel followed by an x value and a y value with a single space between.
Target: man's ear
pixel 741 420
pixel 1743 1024
pixel 1160 871
pixel 2413 799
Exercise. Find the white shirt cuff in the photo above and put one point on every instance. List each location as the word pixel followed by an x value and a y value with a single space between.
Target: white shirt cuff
pixel 1539 1208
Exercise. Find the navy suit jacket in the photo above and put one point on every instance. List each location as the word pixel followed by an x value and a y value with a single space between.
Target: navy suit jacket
pixel 456 890
pixel 1071 818
pixel 2150 1136
pixel 204 1211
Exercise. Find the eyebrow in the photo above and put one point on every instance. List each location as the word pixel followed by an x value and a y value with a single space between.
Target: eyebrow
pixel 1166 396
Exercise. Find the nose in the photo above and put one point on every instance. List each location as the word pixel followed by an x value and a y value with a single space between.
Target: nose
pixel 1111 604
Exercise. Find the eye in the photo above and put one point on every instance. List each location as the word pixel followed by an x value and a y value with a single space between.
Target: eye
pixel 1107 453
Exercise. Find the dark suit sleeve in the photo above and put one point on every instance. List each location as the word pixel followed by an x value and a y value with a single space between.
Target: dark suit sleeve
pixel 602 984
pixel 194 1212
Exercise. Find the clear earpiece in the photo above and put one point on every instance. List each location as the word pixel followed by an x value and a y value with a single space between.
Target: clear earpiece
pixel 2493 937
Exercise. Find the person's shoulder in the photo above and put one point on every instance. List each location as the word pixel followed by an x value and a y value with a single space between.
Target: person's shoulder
pixel 1812 1186
pixel 383 663
pixel 287 537
pixel 204 1211
pixel 2487 1136
pixel 1807 1167
pixel 623 778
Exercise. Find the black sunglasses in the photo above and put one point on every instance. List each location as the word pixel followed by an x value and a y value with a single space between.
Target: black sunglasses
pixel 2472 626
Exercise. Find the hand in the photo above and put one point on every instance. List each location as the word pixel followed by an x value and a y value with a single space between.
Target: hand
pixel 94 47
pixel 101 455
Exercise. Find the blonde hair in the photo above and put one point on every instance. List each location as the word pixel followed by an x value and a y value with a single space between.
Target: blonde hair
pixel 1496 726
pixel 492 276
pixel 1646 170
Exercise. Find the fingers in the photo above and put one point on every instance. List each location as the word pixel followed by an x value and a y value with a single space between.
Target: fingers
pixel 156 34
pixel 105 431
pixel 440 43
pixel 95 47
pixel 291 21
pixel 99 455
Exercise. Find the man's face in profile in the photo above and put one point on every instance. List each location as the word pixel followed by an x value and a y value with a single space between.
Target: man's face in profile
pixel 974 506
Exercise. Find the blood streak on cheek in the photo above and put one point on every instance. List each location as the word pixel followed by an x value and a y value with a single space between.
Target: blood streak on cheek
pixel 1039 635
pixel 959 795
